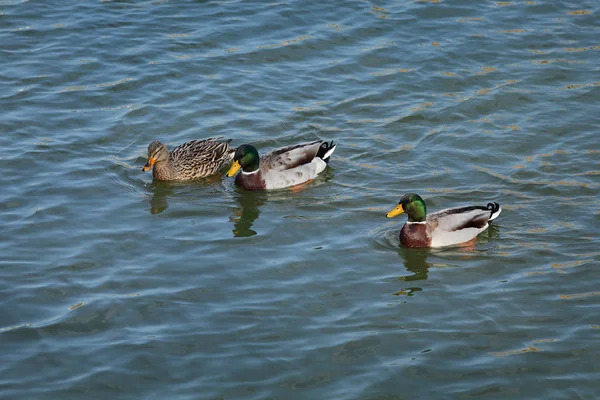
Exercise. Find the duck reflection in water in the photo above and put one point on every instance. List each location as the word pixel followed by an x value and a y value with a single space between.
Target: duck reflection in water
pixel 162 190
pixel 248 211
pixel 160 194
pixel 415 262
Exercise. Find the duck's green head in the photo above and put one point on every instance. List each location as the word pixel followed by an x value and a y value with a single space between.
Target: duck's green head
pixel 246 158
pixel 411 204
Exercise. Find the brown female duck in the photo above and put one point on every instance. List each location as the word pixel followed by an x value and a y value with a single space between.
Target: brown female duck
pixel 191 160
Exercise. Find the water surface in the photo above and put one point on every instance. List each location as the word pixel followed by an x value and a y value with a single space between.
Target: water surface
pixel 114 285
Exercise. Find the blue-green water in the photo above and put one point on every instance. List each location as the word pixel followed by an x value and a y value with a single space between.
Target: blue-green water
pixel 113 286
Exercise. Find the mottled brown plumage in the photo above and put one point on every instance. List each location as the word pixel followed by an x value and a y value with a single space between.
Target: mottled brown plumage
pixel 191 160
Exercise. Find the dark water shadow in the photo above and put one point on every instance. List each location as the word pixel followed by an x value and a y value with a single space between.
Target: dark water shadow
pixel 490 234
pixel 415 262
pixel 247 212
pixel 160 194
pixel 162 190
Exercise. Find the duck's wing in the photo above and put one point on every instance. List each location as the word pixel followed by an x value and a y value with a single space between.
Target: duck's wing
pixel 200 158
pixel 295 165
pixel 457 225
pixel 294 176
pixel 205 150
pixel 290 156
pixel 453 219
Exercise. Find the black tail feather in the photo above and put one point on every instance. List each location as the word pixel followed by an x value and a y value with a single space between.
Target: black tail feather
pixel 325 147
pixel 494 208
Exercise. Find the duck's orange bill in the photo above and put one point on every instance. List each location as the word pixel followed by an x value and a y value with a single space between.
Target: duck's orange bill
pixel 235 167
pixel 396 211
pixel 149 164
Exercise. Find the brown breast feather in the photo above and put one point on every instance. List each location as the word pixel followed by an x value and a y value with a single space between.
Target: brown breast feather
pixel 415 235
pixel 251 182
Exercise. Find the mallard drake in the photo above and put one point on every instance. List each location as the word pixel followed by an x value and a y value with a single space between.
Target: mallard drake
pixel 193 159
pixel 442 228
pixel 281 168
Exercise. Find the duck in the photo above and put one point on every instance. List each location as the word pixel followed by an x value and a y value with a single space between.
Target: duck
pixel 442 228
pixel 190 160
pixel 281 168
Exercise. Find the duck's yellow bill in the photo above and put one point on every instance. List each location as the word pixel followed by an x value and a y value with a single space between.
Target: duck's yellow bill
pixel 235 167
pixel 149 164
pixel 396 211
